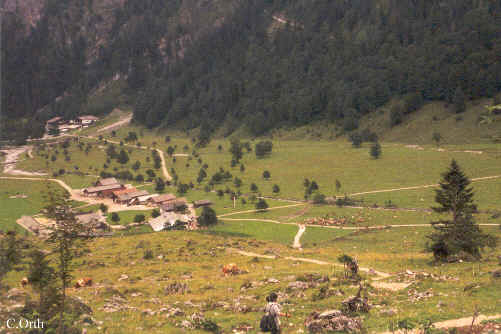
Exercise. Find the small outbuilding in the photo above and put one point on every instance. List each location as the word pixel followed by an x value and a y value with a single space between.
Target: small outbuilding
pixel 102 191
pixel 203 202
pixel 158 200
pixel 107 182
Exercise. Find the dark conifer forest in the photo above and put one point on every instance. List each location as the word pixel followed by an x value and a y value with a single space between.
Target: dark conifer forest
pixel 263 64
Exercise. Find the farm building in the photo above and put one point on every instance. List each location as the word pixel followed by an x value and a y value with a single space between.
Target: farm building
pixel 128 197
pixel 121 192
pixel 106 182
pixel 158 200
pixel 171 221
pixel 176 205
pixel 95 221
pixel 102 191
pixel 86 120
pixel 56 121
pixel 204 202
pixel 142 200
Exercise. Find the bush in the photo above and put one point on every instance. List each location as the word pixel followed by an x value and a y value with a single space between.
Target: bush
pixel 263 148
pixel 319 199
pixel 103 207
pixel 139 218
pixel 208 217
pixel 155 213
pixel 115 217
pixel 148 254
pixel 261 204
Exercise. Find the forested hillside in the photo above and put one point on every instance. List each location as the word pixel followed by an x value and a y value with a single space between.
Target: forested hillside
pixel 261 64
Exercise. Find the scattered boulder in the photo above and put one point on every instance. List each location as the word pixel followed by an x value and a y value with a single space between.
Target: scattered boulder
pixel 176 288
pixel 388 312
pixel 115 304
pixel 330 321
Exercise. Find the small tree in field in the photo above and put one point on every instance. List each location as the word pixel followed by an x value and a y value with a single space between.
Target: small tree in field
pixel 338 185
pixel 266 175
pixel 208 217
pixel 261 205
pixel 459 234
pixel 115 217
pixel 103 207
pixel 436 137
pixel 276 189
pixel 375 150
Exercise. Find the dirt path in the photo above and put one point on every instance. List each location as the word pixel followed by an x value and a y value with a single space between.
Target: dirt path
pixel 297 238
pixel 352 228
pixel 117 124
pixel 76 195
pixel 454 323
pixel 381 275
pixel 160 153
pixel 250 211
pixel 11 159
pixel 420 187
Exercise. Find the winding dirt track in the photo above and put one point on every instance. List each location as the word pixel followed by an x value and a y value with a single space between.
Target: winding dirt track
pixel 420 187
pixel 297 238
pixel 381 274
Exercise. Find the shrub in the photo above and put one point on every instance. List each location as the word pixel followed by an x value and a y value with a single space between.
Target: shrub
pixel 139 218
pixel 115 217
pixel 148 254
pixel 319 199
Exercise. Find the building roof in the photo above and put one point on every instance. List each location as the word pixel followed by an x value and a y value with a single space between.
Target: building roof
pixel 129 196
pixel 88 118
pixel 107 181
pixel 163 198
pixel 202 202
pixel 102 188
pixel 54 120
pixel 159 223
pixel 124 191
pixel 90 218
pixel 172 205
pixel 145 197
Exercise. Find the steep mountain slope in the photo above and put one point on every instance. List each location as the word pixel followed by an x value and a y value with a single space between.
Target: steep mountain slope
pixel 257 64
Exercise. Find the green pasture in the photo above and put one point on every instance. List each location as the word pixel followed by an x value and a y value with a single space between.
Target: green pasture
pixel 12 209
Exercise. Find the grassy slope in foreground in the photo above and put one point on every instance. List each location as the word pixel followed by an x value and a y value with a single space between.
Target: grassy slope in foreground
pixel 196 259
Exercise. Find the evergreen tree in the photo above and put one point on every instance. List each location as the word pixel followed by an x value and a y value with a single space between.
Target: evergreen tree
pixel 261 205
pixel 375 150
pixel 459 101
pixel 208 217
pixel 123 157
pixel 67 239
pixel 236 149
pixel 460 234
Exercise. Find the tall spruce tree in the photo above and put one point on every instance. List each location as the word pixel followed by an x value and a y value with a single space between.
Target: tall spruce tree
pixel 67 240
pixel 459 235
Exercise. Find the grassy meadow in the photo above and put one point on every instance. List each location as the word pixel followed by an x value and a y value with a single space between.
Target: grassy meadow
pixel 196 258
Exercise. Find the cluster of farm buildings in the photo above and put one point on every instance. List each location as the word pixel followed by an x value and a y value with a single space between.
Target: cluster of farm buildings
pixel 171 208
pixel 175 213
pixel 64 125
